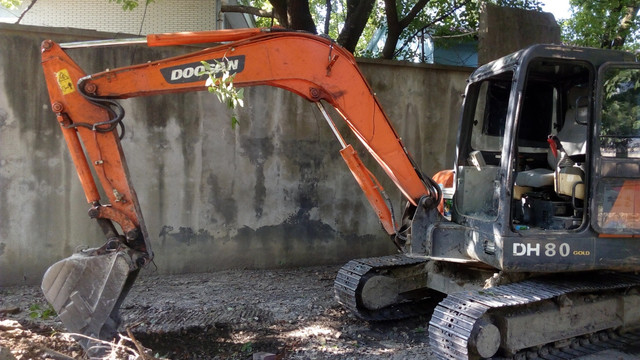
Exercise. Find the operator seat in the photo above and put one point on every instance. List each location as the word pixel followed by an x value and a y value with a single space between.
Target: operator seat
pixel 572 135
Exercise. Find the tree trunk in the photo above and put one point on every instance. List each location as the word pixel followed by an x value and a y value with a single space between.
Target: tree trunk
pixel 358 12
pixel 300 16
pixel 294 14
pixel 395 26
pixel 393 29
pixel 630 14
pixel 280 12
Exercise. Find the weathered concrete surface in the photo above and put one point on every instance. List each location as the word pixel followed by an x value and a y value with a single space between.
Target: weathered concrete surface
pixel 273 192
pixel 504 30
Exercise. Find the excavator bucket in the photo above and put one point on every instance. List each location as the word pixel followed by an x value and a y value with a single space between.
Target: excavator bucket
pixel 86 290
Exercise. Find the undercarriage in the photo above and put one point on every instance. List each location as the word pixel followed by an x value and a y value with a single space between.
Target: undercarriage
pixel 520 316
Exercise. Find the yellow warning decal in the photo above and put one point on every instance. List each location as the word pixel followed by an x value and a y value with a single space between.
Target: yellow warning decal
pixel 64 82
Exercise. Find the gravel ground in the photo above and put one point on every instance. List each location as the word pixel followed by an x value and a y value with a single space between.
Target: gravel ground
pixel 233 314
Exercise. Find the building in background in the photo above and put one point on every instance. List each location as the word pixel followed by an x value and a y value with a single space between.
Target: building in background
pixel 424 48
pixel 103 15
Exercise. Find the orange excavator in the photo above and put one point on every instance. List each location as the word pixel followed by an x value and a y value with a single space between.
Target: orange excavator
pixel 532 248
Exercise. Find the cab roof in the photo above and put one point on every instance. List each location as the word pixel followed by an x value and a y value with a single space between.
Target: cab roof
pixel 591 55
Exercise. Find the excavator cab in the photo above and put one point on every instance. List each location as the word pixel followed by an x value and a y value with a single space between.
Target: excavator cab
pixel 547 170
pixel 512 140
pixel 546 206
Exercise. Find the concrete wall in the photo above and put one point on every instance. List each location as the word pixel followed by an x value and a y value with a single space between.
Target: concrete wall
pixel 273 192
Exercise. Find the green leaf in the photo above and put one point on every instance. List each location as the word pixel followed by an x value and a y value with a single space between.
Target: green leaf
pixel 10 4
pixel 220 83
pixel 48 313
pixel 247 347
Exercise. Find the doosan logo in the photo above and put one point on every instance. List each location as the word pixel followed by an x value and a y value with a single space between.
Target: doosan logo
pixel 187 73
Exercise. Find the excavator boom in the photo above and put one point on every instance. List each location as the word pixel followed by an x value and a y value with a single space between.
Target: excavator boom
pixel 310 66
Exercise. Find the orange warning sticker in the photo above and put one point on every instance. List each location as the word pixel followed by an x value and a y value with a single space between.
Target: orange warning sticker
pixel 64 82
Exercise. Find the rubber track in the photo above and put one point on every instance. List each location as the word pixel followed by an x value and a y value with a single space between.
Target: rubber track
pixel 348 285
pixel 454 318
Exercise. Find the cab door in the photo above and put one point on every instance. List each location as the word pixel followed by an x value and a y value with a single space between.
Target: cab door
pixel 615 202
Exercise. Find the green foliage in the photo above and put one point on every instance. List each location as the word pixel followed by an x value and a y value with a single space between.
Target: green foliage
pixel 10 4
pixel 620 111
pixel 420 330
pixel 437 19
pixel 457 20
pixel 220 83
pixel 464 16
pixel 261 4
pixel 247 347
pixel 599 23
pixel 36 312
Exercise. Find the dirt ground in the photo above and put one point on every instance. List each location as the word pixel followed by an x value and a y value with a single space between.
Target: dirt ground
pixel 223 315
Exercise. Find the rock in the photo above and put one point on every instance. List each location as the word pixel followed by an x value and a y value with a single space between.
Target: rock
pixel 10 310
pixel 6 325
pixel 264 356
pixel 390 344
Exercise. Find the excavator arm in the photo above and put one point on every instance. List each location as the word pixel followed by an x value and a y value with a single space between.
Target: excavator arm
pixel 310 66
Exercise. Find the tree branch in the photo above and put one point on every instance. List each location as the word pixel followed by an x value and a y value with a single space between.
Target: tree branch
pixel 396 26
pixel 327 19
pixel 455 7
pixel 358 12
pixel 246 10
pixel 33 2
pixel 630 14
pixel 415 10
pixel 392 14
